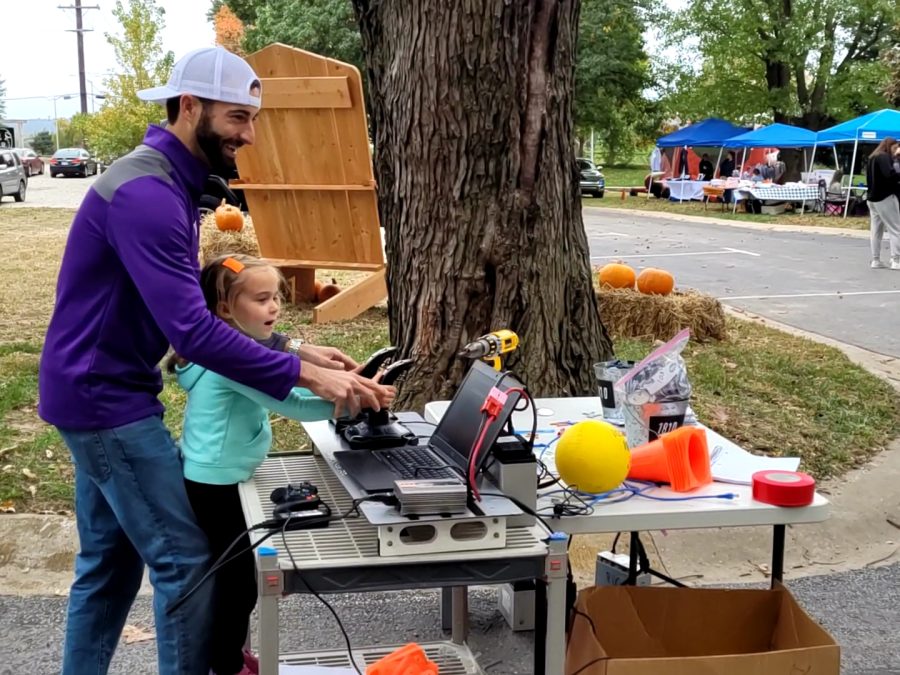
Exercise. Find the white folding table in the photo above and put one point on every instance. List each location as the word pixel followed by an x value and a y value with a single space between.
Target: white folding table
pixel 638 514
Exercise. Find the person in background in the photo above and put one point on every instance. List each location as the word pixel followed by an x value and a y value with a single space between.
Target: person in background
pixel 835 187
pixel 779 168
pixel 884 207
pixel 756 176
pixel 727 166
pixel 706 168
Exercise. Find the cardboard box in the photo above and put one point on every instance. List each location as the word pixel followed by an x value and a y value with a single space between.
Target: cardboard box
pixel 773 209
pixel 627 630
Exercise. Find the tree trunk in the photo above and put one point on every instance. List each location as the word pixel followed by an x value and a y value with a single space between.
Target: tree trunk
pixel 478 188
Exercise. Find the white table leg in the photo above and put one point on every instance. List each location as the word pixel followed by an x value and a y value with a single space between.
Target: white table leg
pixel 556 574
pixel 270 584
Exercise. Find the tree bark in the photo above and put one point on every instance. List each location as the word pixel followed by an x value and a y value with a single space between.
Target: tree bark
pixel 478 188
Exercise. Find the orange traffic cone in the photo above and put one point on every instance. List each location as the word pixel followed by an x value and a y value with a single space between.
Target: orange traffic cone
pixel 407 660
pixel 680 458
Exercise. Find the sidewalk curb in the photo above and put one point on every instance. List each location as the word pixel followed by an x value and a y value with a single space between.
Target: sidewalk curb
pixel 739 224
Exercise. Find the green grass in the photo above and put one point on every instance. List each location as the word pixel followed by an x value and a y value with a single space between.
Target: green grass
pixel 642 203
pixel 786 396
pixel 35 472
pixel 625 175
pixel 768 391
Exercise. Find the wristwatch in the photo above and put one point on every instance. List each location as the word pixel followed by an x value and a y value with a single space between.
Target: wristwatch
pixel 293 346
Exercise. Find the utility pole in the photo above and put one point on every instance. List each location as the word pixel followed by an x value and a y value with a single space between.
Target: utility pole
pixel 80 31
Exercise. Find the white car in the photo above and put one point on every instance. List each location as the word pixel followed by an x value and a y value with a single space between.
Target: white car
pixel 13 180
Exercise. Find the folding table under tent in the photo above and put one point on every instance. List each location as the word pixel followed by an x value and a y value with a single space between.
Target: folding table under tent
pixel 774 136
pixel 871 128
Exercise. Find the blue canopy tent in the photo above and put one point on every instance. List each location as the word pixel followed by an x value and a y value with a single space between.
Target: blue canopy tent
pixel 871 128
pixel 774 136
pixel 709 133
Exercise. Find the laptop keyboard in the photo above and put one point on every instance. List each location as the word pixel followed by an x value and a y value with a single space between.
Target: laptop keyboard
pixel 416 463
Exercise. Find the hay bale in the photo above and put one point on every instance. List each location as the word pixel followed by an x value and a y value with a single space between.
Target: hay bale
pixel 629 314
pixel 214 242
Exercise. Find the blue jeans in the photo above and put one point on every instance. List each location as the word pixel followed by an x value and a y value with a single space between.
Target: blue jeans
pixel 132 508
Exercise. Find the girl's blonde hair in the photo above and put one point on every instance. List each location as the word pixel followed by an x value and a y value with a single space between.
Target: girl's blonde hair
pixel 221 280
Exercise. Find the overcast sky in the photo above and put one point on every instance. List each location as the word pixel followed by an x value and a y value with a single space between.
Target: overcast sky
pixel 39 58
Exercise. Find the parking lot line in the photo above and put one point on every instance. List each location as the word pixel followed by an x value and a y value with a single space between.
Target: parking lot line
pixel 805 295
pixel 721 251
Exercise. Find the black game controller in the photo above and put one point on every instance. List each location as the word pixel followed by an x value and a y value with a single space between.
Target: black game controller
pixel 369 370
pixel 380 429
pixel 295 498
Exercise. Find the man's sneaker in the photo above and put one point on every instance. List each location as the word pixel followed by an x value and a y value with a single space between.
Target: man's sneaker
pixel 251 662
pixel 878 265
pixel 895 264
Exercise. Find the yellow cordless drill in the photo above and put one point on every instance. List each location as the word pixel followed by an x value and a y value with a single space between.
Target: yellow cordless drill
pixel 489 347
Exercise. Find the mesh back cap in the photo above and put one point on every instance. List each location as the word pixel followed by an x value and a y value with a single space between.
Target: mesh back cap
pixel 212 73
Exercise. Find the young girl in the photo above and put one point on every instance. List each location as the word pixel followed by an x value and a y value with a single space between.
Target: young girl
pixel 226 437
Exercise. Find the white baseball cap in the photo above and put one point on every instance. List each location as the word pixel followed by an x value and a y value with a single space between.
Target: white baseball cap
pixel 213 73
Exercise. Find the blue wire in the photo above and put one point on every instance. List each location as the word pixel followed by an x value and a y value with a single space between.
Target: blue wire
pixel 547 447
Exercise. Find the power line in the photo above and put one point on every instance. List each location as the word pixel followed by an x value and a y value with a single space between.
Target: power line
pixel 80 30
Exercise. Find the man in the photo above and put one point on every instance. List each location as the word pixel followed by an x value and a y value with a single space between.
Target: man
pixel 727 166
pixel 706 168
pixel 128 287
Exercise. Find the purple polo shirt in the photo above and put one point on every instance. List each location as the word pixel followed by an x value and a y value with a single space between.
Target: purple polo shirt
pixel 129 287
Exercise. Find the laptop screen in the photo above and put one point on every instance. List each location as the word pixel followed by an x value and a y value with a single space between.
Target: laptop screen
pixel 459 427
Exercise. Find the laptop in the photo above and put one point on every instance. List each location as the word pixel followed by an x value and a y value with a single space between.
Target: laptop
pixel 446 456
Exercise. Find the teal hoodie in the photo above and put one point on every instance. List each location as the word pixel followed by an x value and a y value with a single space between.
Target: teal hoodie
pixel 226 433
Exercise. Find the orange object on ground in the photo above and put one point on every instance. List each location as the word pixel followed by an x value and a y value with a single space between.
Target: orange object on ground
pixel 680 458
pixel 408 660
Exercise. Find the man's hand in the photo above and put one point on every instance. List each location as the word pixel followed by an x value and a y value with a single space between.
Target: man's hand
pixel 348 391
pixel 326 357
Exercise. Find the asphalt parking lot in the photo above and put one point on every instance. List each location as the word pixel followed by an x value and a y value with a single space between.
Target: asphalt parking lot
pixel 45 192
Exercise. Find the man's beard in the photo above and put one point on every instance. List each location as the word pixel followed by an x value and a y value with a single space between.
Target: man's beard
pixel 213 146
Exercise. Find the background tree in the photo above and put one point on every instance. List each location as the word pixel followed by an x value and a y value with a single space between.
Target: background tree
pixel 75 132
pixel 245 10
pixel 326 27
pixel 890 57
pixel 478 189
pixel 805 62
pixel 120 124
pixel 611 74
pixel 42 143
pixel 229 29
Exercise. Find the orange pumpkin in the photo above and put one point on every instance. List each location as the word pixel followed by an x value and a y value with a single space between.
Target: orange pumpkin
pixel 616 275
pixel 655 282
pixel 229 218
pixel 327 291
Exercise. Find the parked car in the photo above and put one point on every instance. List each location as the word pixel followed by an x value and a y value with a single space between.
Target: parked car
pixel 30 160
pixel 592 181
pixel 13 179
pixel 72 162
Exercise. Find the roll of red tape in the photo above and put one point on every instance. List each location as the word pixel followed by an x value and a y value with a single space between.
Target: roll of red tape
pixel 783 488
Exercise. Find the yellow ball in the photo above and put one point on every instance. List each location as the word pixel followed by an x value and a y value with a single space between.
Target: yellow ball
pixel 592 456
